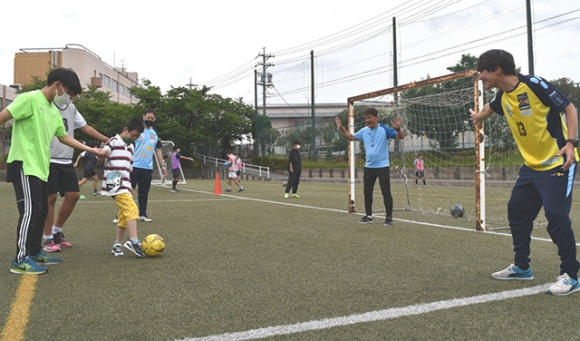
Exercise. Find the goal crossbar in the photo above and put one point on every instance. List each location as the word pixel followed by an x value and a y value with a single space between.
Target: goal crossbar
pixel 479 133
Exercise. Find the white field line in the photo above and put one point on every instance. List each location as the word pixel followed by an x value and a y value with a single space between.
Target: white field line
pixel 464 229
pixel 378 315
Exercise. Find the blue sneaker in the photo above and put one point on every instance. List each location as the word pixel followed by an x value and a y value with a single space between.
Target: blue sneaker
pixel 513 272
pixel 564 286
pixel 27 267
pixel 44 259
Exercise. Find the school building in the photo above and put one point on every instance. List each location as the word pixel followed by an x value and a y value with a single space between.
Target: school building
pixel 89 67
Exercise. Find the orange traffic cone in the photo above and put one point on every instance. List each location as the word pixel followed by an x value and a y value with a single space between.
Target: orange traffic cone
pixel 218 187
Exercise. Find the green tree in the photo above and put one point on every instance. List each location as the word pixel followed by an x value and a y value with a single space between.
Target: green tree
pixel 440 122
pixel 262 123
pixel 329 135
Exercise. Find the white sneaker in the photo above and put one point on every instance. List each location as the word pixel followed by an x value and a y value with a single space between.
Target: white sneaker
pixel 117 251
pixel 564 286
pixel 144 218
pixel 513 272
pixel 116 220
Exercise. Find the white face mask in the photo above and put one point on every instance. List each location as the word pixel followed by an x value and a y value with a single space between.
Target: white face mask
pixel 297 146
pixel 62 100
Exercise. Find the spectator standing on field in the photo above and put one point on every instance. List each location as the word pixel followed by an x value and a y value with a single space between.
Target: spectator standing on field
pixel 375 138
pixel 419 169
pixel 294 170
pixel 147 144
pixel 239 171
pixel 534 110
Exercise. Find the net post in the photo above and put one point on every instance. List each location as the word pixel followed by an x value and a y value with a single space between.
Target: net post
pixel 351 158
pixel 479 159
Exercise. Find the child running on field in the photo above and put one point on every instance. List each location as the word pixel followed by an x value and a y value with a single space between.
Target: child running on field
pixel 89 170
pixel 117 183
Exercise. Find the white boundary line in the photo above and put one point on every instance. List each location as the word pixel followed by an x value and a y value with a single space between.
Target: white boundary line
pixel 378 315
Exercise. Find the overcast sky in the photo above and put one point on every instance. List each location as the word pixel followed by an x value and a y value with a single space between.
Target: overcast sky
pixel 216 42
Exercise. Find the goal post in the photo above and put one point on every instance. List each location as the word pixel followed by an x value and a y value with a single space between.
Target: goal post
pixel 435 117
pixel 166 151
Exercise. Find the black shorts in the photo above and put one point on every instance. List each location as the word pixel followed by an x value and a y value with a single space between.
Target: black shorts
pixel 176 173
pixel 89 173
pixel 62 178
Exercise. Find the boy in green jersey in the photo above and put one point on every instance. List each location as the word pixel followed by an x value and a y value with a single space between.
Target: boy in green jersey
pixel 36 121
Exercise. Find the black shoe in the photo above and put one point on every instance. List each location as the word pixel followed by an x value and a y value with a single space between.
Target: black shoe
pixel 367 219
pixel 388 221
pixel 135 248
pixel 241 189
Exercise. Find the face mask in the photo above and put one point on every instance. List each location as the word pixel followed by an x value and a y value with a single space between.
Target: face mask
pixel 298 147
pixel 127 140
pixel 62 100
pixel 148 123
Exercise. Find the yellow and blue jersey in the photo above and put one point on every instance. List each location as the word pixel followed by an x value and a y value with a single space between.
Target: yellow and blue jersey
pixel 533 111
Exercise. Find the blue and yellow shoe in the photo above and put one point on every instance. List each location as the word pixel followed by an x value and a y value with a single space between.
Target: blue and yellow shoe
pixel 513 272
pixel 27 267
pixel 44 259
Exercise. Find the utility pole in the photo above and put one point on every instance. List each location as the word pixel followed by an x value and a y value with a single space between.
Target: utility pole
pixel 530 38
pixel 190 84
pixel 313 145
pixel 265 79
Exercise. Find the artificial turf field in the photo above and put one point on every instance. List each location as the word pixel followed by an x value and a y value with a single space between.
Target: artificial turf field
pixel 253 265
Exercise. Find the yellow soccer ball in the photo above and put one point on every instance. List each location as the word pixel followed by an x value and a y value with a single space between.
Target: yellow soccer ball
pixel 153 245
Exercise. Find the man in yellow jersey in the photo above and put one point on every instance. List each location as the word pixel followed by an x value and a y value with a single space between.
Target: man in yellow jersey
pixel 545 127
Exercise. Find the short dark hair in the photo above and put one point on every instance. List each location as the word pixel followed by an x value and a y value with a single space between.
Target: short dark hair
pixel 492 59
pixel 67 77
pixel 296 142
pixel 175 147
pixel 371 111
pixel 135 124
pixel 149 110
pixel 92 143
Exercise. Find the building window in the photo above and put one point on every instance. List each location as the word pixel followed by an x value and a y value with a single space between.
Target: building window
pixel 107 82
pixel 121 89
pixel 114 85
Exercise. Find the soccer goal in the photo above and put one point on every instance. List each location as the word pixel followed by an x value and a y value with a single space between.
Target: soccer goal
pixel 464 164
pixel 166 151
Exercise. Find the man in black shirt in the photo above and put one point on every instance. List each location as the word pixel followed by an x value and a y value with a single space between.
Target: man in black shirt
pixel 294 170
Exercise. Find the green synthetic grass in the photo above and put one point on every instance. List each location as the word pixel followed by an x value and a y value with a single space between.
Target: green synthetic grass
pixel 234 265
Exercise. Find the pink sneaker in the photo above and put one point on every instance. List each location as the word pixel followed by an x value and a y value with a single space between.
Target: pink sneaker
pixel 59 239
pixel 50 246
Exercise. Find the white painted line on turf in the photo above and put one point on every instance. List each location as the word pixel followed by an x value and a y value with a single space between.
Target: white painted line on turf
pixel 379 315
pixel 395 219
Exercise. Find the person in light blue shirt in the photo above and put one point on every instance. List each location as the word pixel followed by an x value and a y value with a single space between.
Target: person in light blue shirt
pixel 147 144
pixel 376 138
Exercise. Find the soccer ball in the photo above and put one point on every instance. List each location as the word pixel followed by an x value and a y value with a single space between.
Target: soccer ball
pixel 457 211
pixel 153 245
pixel 226 164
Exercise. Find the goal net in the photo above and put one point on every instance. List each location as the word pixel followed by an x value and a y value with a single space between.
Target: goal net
pixel 466 165
pixel 166 151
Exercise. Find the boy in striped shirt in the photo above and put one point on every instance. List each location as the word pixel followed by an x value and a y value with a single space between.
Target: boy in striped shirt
pixel 117 183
